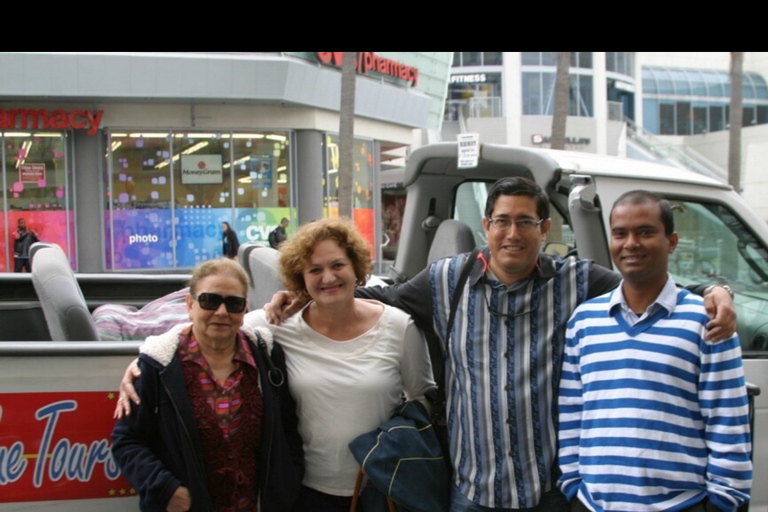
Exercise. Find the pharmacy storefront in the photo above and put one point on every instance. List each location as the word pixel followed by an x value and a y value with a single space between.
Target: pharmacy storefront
pixel 134 161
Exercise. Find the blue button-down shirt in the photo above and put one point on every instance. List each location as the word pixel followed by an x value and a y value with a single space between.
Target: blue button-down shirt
pixel 502 370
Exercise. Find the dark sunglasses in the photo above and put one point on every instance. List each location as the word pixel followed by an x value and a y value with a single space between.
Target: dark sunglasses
pixel 212 301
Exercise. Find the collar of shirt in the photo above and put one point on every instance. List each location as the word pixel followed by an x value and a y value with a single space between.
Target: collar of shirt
pixel 545 268
pixel 189 349
pixel 666 300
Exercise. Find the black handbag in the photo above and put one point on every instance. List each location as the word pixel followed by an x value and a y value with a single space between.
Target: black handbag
pixel 404 461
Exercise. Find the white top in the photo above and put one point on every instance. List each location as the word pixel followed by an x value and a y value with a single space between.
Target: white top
pixel 346 388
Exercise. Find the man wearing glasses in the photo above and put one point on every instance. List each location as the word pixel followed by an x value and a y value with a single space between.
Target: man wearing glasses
pixel 505 350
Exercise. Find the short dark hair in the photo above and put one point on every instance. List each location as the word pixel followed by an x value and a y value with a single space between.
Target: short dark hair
pixel 518 186
pixel 284 219
pixel 643 196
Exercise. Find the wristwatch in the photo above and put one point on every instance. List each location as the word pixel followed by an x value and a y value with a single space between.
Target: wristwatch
pixel 725 287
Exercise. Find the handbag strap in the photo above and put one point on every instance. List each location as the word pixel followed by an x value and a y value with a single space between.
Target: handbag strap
pixel 439 369
pixel 356 494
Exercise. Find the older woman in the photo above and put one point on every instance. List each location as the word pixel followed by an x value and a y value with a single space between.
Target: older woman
pixel 216 430
pixel 350 360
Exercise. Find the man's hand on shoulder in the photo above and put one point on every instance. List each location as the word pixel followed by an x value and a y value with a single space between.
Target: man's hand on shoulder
pixel 282 306
pixel 719 305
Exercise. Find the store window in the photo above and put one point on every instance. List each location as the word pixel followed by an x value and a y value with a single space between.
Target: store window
pixel 38 183
pixel 168 194
pixel 362 185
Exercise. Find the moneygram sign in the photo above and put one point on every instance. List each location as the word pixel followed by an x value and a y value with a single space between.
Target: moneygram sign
pixel 368 62
pixel 201 169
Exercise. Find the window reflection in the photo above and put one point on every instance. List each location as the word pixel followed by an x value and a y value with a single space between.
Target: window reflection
pixel 169 192
pixel 38 191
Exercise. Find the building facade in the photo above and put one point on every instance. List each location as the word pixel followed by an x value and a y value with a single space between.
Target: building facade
pixel 672 106
pixel 133 161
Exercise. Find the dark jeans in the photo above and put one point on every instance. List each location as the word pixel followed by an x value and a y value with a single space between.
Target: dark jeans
pixel 551 501
pixel 311 500
pixel 21 263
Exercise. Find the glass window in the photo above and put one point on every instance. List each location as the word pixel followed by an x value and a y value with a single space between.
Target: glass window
pixel 715 86
pixel 747 88
pixel 261 163
pixel 762 114
pixel 651 115
pixel 621 63
pixel 362 185
pixel 666 86
pixel 202 174
pixel 585 96
pixel 761 89
pixel 699 119
pixel 168 194
pixel 549 58
pixel 581 60
pixel 531 58
pixel 680 82
pixel 650 86
pixel 492 58
pixel 532 96
pixel 471 58
pixel 548 93
pixel 456 59
pixel 698 86
pixel 716 118
pixel 38 191
pixel 667 118
pixel 683 118
pixel 749 116
pixel 708 235
pixel 138 228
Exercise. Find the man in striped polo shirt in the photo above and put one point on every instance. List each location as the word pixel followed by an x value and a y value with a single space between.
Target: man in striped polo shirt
pixel 653 417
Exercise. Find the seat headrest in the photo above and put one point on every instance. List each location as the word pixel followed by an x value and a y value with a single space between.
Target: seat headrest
pixel 451 238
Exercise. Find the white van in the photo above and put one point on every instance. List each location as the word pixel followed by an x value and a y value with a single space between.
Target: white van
pixel 722 240
pixel 57 397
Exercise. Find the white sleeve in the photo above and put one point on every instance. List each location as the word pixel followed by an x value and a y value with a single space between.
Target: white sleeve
pixel 257 318
pixel 416 367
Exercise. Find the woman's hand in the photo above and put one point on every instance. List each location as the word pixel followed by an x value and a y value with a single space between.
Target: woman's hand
pixel 181 501
pixel 128 392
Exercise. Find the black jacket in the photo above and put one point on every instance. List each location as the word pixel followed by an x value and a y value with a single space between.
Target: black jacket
pixel 158 448
pixel 229 243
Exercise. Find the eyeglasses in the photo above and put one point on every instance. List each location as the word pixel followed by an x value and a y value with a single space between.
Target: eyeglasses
pixel 212 301
pixel 533 309
pixel 504 223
